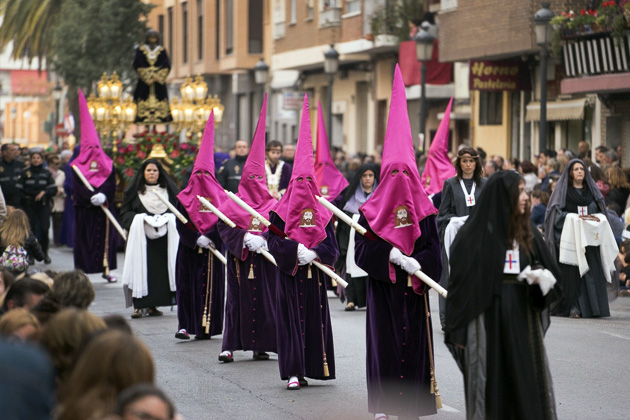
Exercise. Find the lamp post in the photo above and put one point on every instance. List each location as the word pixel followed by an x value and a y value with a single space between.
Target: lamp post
pixel 543 36
pixel 424 52
pixel 13 117
pixel 331 65
pixel 57 91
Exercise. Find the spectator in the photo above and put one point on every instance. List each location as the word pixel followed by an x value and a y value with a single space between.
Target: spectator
pixel 551 168
pixel 65 334
pixel 610 158
pixel 528 170
pixel 600 179
pixel 499 161
pixel 288 154
pixel 20 325
pixel 111 362
pixel 584 150
pixel 624 272
pixel 3 208
pixel 490 167
pixel 619 187
pixel 54 165
pixel 10 169
pixel 18 243
pixel 73 289
pixel 144 401
pixel 278 171
pixel 512 164
pixel 539 207
pixel 117 322
pixel 600 151
pixel 229 174
pixel 25 293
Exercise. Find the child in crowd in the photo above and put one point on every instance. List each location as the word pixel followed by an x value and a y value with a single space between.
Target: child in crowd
pixel 539 206
pixel 18 245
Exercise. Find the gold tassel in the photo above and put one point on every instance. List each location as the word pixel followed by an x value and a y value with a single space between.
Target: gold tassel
pixel 309 276
pixel 409 283
pixel 438 401
pixel 208 327
pixel 326 372
pixel 203 317
pixel 333 282
pixel 251 272
pixel 432 383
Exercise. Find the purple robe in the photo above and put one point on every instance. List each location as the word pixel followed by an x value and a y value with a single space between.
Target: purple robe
pixel 303 318
pixel 191 278
pixel 90 227
pixel 397 360
pixel 285 175
pixel 250 312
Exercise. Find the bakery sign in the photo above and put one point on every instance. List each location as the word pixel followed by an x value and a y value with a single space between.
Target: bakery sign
pixel 499 76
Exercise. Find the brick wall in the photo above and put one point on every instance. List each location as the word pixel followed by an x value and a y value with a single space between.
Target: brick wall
pixel 493 28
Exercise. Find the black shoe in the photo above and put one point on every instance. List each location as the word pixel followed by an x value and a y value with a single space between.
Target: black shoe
pixel 110 278
pixel 30 260
pixel 261 355
pixel 47 260
pixel 153 311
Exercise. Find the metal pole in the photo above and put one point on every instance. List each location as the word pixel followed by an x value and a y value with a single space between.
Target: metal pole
pixel 543 101
pixel 330 86
pixel 423 100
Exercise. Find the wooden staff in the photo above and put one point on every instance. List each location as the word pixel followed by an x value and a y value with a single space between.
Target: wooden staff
pixel 106 255
pixel 360 229
pixel 231 224
pixel 108 213
pixel 171 207
pixel 278 232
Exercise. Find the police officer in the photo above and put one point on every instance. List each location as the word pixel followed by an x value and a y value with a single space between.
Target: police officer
pixel 37 187
pixel 10 169
pixel 229 176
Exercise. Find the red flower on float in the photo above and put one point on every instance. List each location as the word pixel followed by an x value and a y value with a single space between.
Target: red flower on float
pixel 174 154
pixel 184 146
pixel 120 160
pixel 129 172
pixel 141 154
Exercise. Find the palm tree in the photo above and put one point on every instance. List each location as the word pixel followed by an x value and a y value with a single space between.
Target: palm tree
pixel 28 24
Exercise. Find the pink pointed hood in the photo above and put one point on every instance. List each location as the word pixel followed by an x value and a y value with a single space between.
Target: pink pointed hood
pixel 439 167
pixel 94 164
pixel 203 182
pixel 331 182
pixel 253 186
pixel 305 219
pixel 399 203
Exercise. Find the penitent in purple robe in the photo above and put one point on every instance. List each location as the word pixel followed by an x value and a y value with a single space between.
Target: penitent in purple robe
pixel 250 311
pixel 397 360
pixel 191 279
pixel 304 327
pixel 90 226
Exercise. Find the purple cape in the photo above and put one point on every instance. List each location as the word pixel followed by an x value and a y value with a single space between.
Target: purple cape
pixel 250 312
pixel 398 364
pixel 303 325
pixel 191 279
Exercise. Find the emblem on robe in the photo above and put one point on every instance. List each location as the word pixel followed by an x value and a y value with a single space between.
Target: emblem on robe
pixel 237 169
pixel 204 209
pixel 1 168
pixel 93 166
pixel 308 218
pixel 428 182
pixel 324 190
pixel 254 225
pixel 402 217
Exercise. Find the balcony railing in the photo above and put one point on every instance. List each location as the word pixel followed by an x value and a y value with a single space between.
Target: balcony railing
pixel 330 17
pixel 596 54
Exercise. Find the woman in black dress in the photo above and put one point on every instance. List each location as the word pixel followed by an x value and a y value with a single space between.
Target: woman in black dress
pixel 495 321
pixel 143 213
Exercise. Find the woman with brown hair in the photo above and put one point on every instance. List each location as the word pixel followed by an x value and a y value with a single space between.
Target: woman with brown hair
pixel 111 362
pixel 619 187
pixel 15 237
pixel 20 324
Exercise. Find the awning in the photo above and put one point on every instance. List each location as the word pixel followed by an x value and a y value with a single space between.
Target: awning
pixel 284 79
pixel 459 112
pixel 557 110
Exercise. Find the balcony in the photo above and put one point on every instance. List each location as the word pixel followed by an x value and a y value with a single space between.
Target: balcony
pixel 596 54
pixel 330 17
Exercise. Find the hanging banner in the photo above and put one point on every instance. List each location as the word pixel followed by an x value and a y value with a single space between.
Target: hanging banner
pixel 499 76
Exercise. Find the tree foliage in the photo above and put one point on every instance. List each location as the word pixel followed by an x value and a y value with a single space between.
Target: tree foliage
pixel 92 37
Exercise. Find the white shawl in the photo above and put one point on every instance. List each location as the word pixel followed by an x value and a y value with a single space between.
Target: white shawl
pixel 135 267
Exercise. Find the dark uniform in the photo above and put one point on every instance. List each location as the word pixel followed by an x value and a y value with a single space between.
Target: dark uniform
pixel 229 176
pixel 31 182
pixel 9 175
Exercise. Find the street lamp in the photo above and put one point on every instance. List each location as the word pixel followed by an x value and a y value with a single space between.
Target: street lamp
pixel 543 37
pixel 424 52
pixel 331 65
pixel 57 93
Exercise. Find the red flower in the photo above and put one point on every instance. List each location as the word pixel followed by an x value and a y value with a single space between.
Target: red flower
pixel 120 160
pixel 141 154
pixel 582 12
pixel 184 146
pixel 174 154
pixel 129 172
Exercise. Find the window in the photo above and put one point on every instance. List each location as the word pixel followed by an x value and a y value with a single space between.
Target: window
pixel 490 108
pixel 353 6
pixel 229 26
pixel 293 11
pixel 310 10
pixel 185 32
pixel 199 29
pixel 255 27
pixel 278 19
pixel 169 14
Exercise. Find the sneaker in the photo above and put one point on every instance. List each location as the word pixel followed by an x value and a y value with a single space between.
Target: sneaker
pixel 226 356
pixel 182 334
pixel 110 278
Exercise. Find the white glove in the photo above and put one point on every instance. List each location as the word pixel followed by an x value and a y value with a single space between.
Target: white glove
pixel 204 242
pixel 98 199
pixel 395 256
pixel 305 255
pixel 410 265
pixel 254 242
